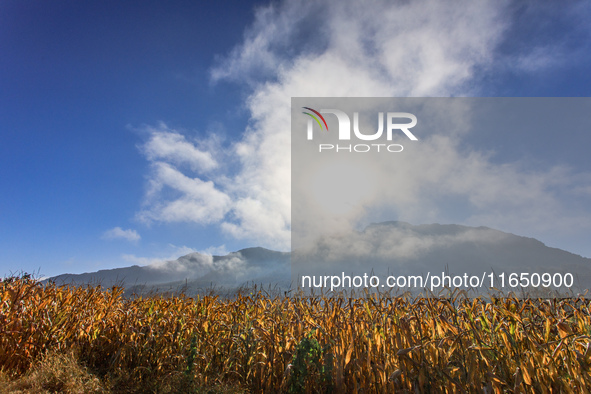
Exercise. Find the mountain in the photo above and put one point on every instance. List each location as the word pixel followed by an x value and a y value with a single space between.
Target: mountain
pixel 194 273
pixel 403 249
pixel 387 248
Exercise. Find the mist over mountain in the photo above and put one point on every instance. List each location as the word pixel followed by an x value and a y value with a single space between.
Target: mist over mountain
pixel 402 249
pixel 394 247
pixel 194 273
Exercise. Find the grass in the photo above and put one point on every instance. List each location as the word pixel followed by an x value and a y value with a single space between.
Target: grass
pixel 54 373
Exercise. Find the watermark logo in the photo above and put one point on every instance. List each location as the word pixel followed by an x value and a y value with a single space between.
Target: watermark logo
pixel 393 124
pixel 310 132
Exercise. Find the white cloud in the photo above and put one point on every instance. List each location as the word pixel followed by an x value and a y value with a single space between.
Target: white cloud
pixel 119 233
pixel 169 145
pixel 187 261
pixel 267 42
pixel 215 251
pixel 351 48
pixel 195 200
pixel 375 48
pixel 378 49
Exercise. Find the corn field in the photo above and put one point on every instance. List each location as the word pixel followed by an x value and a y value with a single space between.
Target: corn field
pixel 267 344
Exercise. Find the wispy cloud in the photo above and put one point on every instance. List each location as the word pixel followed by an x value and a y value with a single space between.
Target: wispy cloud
pixel 119 233
pixel 171 146
pixel 186 262
pixel 193 199
pixel 394 242
pixel 215 251
pixel 175 191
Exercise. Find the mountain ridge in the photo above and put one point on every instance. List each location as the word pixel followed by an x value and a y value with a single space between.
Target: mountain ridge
pixel 401 246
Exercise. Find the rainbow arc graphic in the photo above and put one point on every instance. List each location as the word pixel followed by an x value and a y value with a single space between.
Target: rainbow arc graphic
pixel 316 118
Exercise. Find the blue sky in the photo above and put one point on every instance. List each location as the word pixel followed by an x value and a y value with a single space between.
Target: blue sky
pixel 138 131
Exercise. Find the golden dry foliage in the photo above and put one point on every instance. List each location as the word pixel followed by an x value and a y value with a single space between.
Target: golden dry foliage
pixel 54 373
pixel 269 344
